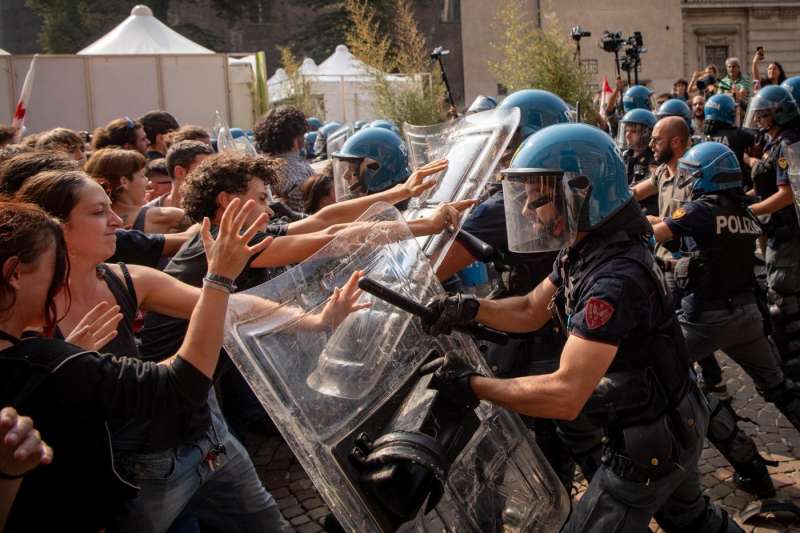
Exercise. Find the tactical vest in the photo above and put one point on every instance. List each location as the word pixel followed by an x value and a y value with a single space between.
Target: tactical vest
pixel 650 372
pixel 764 181
pixel 725 267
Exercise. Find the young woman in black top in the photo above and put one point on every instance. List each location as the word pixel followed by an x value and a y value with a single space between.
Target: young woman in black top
pixel 71 392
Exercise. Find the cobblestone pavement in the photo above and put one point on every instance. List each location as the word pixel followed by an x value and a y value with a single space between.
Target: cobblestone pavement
pixel 776 439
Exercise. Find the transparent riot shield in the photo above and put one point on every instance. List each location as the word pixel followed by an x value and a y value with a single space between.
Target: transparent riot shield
pixel 474 145
pixel 338 138
pixel 792 154
pixel 386 452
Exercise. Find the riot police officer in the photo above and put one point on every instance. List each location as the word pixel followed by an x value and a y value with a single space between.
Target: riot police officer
pixel 774 111
pixel 538 109
pixel 719 310
pixel 313 123
pixel 321 141
pixel 637 97
pixel 624 364
pixel 675 108
pixel 372 160
pixel 634 141
pixel 720 117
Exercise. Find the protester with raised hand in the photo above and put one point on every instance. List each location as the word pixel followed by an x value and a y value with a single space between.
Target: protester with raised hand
pixel 71 393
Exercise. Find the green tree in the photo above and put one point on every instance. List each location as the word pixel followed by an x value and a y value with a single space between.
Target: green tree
pixel 531 57
pixel 419 98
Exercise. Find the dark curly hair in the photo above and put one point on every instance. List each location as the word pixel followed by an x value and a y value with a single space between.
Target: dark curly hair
pixel 15 170
pixel 157 123
pixel 276 131
pixel 229 172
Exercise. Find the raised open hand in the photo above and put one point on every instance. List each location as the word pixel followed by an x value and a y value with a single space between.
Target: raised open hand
pixel 228 253
pixel 97 328
pixel 416 184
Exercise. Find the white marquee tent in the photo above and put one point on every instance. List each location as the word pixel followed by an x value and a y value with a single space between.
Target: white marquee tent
pixel 142 33
pixel 140 65
pixel 340 83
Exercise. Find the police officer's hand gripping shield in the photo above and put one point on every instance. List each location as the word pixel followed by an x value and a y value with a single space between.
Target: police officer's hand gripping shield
pixel 352 397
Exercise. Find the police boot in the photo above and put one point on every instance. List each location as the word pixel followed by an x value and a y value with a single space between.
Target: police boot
pixel 739 449
pixel 786 398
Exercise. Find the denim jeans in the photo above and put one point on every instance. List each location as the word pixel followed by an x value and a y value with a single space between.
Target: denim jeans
pixel 228 496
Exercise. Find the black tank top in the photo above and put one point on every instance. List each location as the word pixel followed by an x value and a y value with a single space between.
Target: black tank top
pixel 138 223
pixel 125 295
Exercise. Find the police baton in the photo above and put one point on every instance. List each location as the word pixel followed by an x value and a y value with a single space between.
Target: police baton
pixel 417 309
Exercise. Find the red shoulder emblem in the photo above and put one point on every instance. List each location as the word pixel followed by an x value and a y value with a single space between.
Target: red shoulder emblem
pixel 598 312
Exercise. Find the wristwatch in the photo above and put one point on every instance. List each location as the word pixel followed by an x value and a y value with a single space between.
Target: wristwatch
pixel 220 282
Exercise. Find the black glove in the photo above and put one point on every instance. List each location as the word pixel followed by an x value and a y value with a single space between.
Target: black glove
pixel 452 380
pixel 450 311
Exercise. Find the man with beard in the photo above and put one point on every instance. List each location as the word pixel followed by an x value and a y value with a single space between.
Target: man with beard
pixel 669 142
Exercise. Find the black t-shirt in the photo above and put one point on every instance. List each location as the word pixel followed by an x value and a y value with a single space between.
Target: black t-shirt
pixel 138 248
pixel 162 335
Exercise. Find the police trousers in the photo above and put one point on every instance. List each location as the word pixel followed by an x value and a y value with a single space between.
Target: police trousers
pixel 739 332
pixel 783 264
pixel 618 502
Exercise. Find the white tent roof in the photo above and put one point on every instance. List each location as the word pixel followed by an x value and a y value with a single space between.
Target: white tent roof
pixel 342 63
pixel 4 53
pixel 280 76
pixel 308 67
pixel 142 33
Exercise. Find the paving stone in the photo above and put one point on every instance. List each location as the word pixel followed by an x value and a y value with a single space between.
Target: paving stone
pixel 311 527
pixel 291 512
pixel 300 520
pixel 312 503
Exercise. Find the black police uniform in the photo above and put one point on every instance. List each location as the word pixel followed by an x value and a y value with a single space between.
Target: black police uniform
pixel 563 443
pixel 739 140
pixel 720 312
pixel 783 249
pixel 638 168
pixel 653 416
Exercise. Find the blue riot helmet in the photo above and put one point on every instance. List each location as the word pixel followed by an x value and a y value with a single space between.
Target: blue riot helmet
pixel 675 107
pixel 720 109
pixel 637 97
pixel 372 160
pixel 386 125
pixel 773 103
pixel 635 129
pixel 308 142
pixel 564 179
pixel 237 132
pixel 321 142
pixel 313 123
pixel 709 167
pixel 793 86
pixel 359 125
pixel 538 109
pixel 482 103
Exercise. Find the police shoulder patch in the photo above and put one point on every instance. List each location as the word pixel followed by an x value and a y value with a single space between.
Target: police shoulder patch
pixel 678 213
pixel 783 163
pixel 598 312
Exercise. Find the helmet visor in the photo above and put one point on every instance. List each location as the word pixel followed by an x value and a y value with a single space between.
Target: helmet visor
pixel 540 210
pixel 760 114
pixel 687 175
pixel 351 176
pixel 632 135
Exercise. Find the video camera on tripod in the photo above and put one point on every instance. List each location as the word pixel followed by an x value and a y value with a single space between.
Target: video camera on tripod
pixel 613 42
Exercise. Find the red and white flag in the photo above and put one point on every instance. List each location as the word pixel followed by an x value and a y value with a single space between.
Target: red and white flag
pixel 24 99
pixel 605 94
